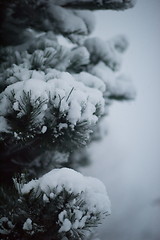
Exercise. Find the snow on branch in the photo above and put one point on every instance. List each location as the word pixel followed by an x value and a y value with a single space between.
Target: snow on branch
pixel 61 16
pixel 62 203
pixel 53 93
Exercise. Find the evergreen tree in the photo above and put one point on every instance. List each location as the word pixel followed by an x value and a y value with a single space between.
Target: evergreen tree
pixel 56 85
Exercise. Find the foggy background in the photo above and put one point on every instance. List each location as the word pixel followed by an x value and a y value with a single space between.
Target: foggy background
pixel 127 160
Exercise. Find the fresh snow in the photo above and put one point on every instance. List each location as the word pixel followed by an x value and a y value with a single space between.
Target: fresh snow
pixel 27 226
pixel 90 80
pixel 4 127
pixel 71 22
pixel 105 51
pixel 56 180
pixel 116 84
pixel 44 129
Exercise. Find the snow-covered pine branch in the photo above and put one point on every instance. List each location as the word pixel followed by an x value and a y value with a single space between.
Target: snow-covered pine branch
pixel 62 203
pixel 62 16
pixel 53 96
pixel 49 103
pixel 53 92
pixel 97 4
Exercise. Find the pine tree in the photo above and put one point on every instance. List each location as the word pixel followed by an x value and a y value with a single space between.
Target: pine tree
pixel 56 85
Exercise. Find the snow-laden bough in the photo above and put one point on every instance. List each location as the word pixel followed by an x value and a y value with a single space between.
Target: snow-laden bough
pixel 74 202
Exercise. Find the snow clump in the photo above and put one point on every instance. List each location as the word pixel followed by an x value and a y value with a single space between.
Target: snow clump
pixel 86 197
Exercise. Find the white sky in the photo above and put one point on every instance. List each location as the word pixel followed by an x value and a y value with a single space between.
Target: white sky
pixel 128 159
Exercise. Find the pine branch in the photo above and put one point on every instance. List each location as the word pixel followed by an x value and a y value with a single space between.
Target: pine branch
pixel 99 4
pixel 40 208
pixel 16 16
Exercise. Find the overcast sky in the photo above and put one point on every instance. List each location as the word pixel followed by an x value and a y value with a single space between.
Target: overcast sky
pixel 128 159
